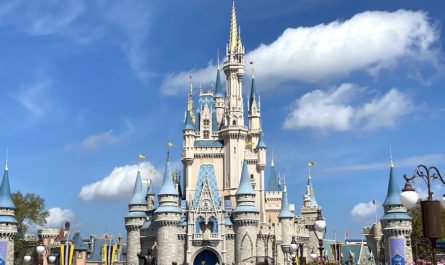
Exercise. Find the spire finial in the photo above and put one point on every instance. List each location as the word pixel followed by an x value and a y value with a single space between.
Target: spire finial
pixel 284 184
pixel 390 156
pixel 217 58
pixel 233 40
pixel 272 163
pixel 7 158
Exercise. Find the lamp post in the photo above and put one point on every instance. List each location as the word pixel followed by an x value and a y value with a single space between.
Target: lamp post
pixel 313 254
pixel 431 216
pixel 293 247
pixel 320 230
pixel 42 253
pixel 286 250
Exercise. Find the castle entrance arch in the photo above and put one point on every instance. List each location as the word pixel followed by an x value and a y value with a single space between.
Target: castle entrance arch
pixel 206 257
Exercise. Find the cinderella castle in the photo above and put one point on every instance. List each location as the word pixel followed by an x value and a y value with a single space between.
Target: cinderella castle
pixel 221 211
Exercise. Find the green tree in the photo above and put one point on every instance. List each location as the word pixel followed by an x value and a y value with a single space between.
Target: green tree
pixel 421 246
pixel 30 211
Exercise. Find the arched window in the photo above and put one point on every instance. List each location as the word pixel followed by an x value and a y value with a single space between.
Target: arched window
pixel 234 122
pixel 213 224
pixel 199 224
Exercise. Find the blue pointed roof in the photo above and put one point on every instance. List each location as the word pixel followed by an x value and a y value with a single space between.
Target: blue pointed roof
pixel 214 121
pixel 150 188
pixel 219 89
pixel 168 187
pixel 206 172
pixel 189 122
pixel 253 95
pixel 245 187
pixel 273 182
pixel 138 194
pixel 285 212
pixel 261 143
pixel 393 195
pixel 5 192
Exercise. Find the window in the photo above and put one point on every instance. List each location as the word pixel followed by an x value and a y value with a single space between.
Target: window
pixel 206 134
pixel 234 122
pixel 206 122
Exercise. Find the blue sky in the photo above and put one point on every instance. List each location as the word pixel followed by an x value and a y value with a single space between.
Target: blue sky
pixel 88 85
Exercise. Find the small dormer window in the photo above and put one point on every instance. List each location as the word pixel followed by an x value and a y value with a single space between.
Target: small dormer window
pixel 206 122
pixel 206 134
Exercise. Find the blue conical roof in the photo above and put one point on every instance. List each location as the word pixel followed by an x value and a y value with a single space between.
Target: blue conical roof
pixel 150 188
pixel 138 194
pixel 188 122
pixel 168 187
pixel 253 95
pixel 219 89
pixel 285 212
pixel 393 195
pixel 273 182
pixel 261 142
pixel 5 192
pixel 245 187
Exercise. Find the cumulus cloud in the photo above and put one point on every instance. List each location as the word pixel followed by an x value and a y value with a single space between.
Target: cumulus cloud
pixel 94 141
pixel 363 210
pixel 57 216
pixel 334 109
pixel 119 184
pixel 369 41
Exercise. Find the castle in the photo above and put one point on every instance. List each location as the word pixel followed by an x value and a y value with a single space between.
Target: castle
pixel 221 211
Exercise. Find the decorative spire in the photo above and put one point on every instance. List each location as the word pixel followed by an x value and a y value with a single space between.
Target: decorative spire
pixel 138 195
pixel 393 195
pixel 245 187
pixel 233 39
pixel 261 142
pixel 390 157
pixel 5 191
pixel 168 187
pixel 219 89
pixel 150 188
pixel 273 183
pixel 310 190
pixel 190 105
pixel 285 212
pixel 188 121
pixel 253 95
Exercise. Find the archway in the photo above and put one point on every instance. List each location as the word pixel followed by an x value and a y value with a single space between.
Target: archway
pixel 206 257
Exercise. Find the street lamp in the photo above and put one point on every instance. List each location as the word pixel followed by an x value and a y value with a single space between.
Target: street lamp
pixel 320 230
pixel 286 250
pixel 313 254
pixel 27 258
pixel 431 216
pixel 293 247
pixel 41 249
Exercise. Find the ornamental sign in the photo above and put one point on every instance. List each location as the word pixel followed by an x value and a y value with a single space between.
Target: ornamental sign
pixel 397 250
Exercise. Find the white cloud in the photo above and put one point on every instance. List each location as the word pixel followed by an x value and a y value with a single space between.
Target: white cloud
pixel 35 98
pixel 57 216
pixel 363 210
pixel 408 162
pixel 94 141
pixel 369 41
pixel 119 184
pixel 334 110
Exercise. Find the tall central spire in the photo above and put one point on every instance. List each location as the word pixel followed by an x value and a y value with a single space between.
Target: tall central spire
pixel 233 41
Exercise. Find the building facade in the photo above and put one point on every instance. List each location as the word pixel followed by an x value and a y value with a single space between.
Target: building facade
pixel 220 211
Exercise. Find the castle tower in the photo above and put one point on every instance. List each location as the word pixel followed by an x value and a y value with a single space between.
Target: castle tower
pixel 396 226
pixel 233 132
pixel 167 217
pixel 273 195
pixel 254 113
pixel 8 223
pixel 134 220
pixel 286 219
pixel 246 218
pixel 309 212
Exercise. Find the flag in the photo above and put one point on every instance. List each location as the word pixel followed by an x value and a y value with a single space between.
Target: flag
pixel 336 252
pixel 152 171
pixel 346 233
pixel 141 156
pixel 66 253
pixel 170 144
pixel 108 254
pixel 248 143
pixel 311 164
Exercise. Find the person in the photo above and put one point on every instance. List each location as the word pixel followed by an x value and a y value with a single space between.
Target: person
pixel 147 259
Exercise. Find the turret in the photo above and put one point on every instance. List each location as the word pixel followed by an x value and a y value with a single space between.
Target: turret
pixel 219 98
pixel 135 219
pixel 8 223
pixel 396 224
pixel 286 219
pixel 246 218
pixel 254 112
pixel 261 151
pixel 167 217
pixel 150 196
pixel 80 257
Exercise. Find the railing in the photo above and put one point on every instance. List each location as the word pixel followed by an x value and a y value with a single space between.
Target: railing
pixel 199 236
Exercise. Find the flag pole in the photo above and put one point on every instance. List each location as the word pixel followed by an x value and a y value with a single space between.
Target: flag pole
pixel 375 210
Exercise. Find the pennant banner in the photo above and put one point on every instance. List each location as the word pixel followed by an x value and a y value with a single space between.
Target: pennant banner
pixel 336 252
pixel 66 253
pixel 108 254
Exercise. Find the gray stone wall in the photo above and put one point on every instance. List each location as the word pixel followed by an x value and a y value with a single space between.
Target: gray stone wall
pixel 133 245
